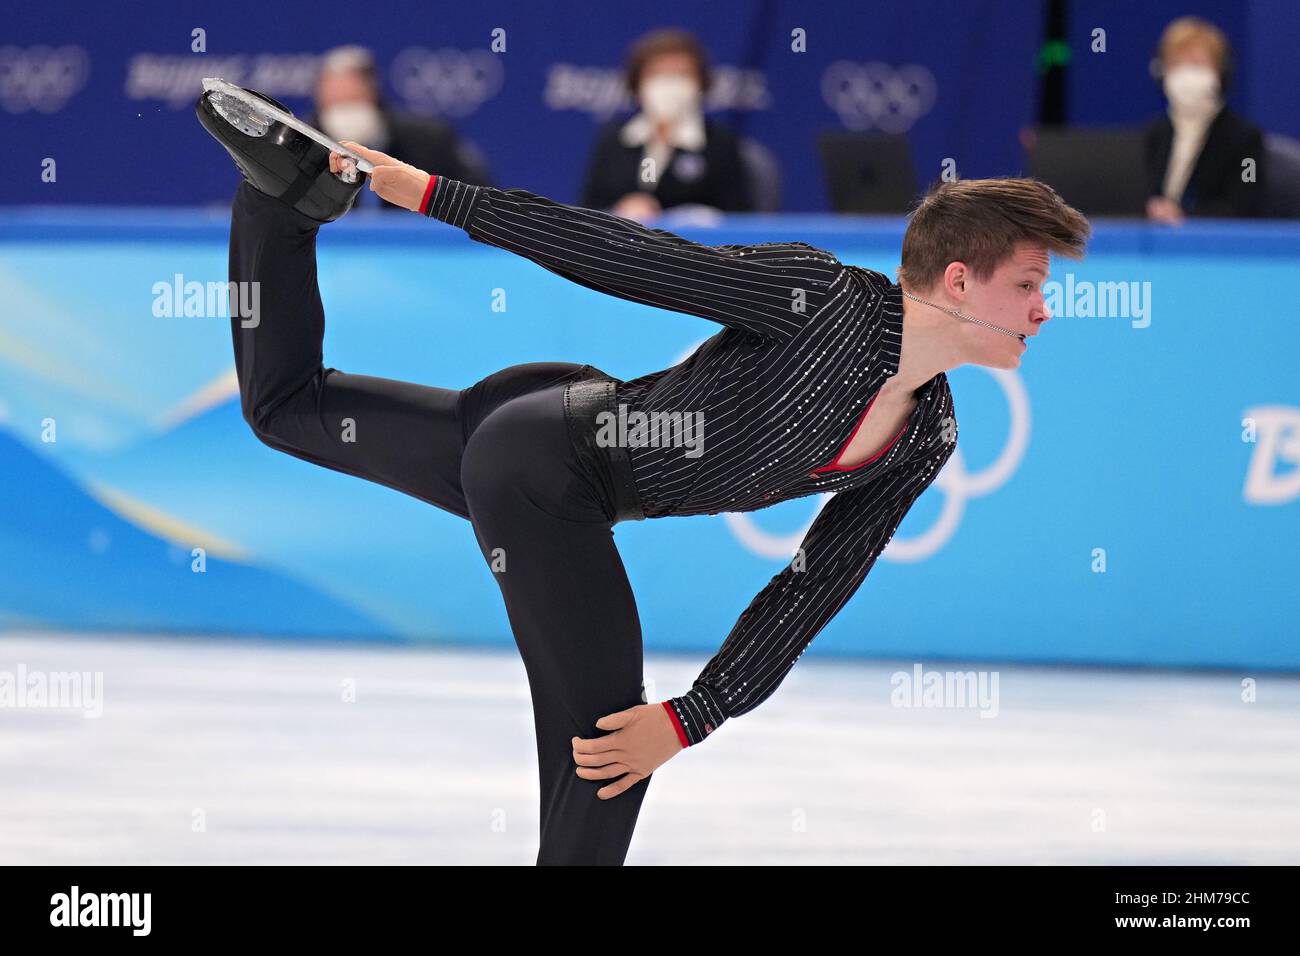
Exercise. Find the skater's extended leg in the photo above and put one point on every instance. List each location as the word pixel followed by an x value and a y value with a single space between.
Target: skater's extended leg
pixel 400 434
pixel 407 436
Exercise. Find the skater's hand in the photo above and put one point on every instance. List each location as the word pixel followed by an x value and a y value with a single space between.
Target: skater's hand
pixel 398 182
pixel 643 740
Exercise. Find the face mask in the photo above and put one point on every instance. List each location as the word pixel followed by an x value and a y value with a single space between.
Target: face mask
pixel 670 96
pixel 1192 90
pixel 356 121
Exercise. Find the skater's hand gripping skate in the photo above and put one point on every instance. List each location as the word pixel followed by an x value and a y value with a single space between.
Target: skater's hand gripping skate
pixel 398 182
pixel 643 740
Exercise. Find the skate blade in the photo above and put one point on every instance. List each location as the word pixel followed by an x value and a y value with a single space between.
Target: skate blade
pixel 253 116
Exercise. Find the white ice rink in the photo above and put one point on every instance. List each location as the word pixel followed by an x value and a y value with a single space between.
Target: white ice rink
pixel 434 763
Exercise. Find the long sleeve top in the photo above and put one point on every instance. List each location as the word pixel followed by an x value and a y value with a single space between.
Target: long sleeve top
pixel 806 343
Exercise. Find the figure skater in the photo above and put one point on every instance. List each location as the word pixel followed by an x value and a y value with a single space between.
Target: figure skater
pixel 823 377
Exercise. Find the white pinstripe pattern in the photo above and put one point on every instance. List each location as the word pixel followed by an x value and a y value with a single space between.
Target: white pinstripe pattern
pixel 781 393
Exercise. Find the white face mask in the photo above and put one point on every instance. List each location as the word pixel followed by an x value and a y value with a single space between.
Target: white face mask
pixel 357 121
pixel 670 96
pixel 1193 90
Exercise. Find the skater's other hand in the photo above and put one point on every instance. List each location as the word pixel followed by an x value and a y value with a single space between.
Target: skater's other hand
pixel 398 182
pixel 643 740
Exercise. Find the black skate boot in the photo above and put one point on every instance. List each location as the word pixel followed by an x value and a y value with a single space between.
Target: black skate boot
pixel 277 159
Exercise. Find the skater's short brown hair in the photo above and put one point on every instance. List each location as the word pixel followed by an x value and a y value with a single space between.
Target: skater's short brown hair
pixel 980 222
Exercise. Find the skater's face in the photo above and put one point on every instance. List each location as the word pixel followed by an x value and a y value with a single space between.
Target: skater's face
pixel 1011 298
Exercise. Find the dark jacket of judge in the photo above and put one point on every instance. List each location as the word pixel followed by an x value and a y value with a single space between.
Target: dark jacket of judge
pixel 1215 186
pixel 714 176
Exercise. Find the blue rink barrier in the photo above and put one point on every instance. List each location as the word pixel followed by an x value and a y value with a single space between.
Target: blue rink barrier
pixel 1130 495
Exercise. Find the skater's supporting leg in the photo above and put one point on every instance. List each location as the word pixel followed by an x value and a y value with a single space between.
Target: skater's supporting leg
pixel 543 531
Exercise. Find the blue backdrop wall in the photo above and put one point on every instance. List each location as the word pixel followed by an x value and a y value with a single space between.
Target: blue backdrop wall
pixel 107 91
pixel 96 74
pixel 1131 494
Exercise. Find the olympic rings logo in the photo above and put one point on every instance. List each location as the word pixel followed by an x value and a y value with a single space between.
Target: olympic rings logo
pixel 876 95
pixel 41 78
pixel 957 484
pixel 446 82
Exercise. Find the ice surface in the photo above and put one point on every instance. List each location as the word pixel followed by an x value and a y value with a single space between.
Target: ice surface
pixel 432 760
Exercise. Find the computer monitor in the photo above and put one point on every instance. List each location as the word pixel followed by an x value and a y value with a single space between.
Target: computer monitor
pixel 1101 171
pixel 868 172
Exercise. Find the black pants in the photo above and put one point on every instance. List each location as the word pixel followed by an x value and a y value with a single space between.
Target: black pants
pixel 498 454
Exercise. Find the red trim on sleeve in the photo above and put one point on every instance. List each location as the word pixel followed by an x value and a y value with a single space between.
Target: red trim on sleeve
pixel 677 725
pixel 428 194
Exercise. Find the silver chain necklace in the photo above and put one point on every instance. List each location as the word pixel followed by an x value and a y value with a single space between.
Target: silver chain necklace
pixel 962 315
